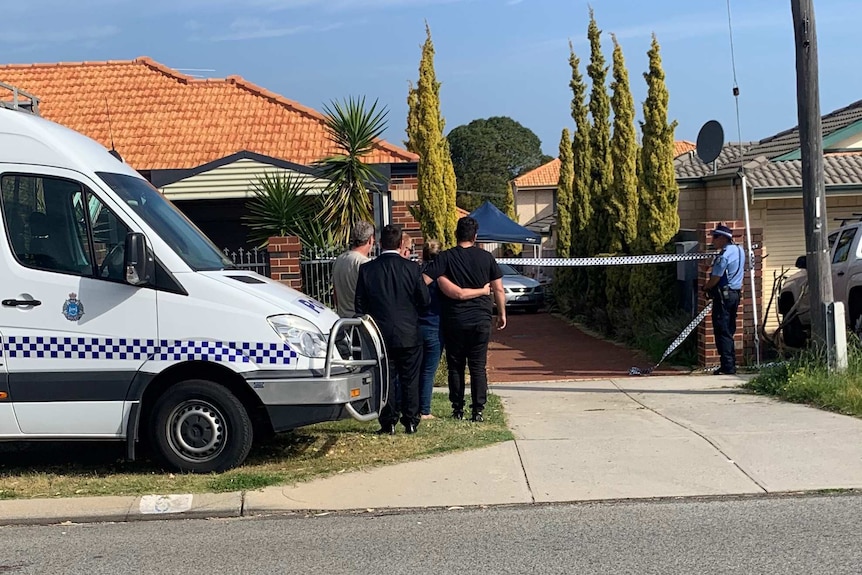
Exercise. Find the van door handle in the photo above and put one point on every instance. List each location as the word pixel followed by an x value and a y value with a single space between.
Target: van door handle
pixel 21 302
pixel 840 274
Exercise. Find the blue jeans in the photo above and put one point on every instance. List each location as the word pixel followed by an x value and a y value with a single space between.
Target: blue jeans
pixel 432 349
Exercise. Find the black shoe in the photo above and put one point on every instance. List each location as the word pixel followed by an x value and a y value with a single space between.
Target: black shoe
pixel 410 428
pixel 722 371
pixel 457 414
pixel 477 417
pixel 387 430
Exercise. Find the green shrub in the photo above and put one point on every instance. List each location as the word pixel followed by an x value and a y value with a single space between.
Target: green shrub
pixel 806 379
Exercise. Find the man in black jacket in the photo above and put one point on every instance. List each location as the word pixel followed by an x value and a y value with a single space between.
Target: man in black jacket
pixel 390 289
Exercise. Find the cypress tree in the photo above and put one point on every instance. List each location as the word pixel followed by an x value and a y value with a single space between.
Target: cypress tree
pixel 509 210
pixel 582 209
pixel 658 219
pixel 601 172
pixel 623 197
pixel 425 133
pixel 601 169
pixel 564 197
pixel 624 151
pixel 658 216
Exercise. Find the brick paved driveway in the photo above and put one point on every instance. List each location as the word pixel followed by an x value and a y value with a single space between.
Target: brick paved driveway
pixel 541 347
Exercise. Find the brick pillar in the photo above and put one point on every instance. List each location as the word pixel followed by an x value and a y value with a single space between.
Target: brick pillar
pixel 403 188
pixel 744 337
pixel 284 260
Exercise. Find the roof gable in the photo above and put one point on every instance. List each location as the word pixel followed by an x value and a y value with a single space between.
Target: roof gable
pixel 162 119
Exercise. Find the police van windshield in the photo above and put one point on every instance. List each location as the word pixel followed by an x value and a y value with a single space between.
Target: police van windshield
pixel 168 222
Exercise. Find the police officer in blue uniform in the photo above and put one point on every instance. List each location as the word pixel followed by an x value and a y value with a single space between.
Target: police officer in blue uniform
pixel 724 287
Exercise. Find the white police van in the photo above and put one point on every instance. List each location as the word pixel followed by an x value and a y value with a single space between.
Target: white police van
pixel 121 321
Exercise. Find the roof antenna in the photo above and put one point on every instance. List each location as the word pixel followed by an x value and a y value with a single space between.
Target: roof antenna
pixel 113 151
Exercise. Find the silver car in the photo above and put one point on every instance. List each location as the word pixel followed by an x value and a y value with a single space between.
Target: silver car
pixel 521 291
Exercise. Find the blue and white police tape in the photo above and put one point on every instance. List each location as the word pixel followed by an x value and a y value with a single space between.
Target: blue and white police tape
pixel 607 261
pixel 675 343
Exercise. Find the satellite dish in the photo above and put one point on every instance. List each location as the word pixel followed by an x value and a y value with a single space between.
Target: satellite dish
pixel 710 140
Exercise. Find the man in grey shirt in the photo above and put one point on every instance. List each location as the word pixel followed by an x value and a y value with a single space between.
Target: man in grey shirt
pixel 345 271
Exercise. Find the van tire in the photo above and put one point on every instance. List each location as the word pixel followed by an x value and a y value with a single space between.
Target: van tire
pixel 199 426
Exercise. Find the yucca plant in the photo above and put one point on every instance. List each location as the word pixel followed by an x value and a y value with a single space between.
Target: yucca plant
pixel 283 206
pixel 353 128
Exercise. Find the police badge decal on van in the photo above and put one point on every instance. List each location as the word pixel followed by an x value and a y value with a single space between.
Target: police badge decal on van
pixel 73 309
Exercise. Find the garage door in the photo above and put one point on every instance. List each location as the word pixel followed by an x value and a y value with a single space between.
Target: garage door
pixel 784 241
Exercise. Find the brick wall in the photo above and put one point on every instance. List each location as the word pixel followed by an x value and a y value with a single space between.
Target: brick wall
pixel 403 189
pixel 744 337
pixel 284 261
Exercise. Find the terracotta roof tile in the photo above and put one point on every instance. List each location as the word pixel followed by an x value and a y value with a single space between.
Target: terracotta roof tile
pixel 683 146
pixel 545 176
pixel 163 119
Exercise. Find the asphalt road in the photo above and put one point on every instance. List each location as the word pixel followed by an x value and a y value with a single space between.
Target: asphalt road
pixel 805 535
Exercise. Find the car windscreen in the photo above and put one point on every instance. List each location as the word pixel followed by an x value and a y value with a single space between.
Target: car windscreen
pixel 168 222
pixel 508 270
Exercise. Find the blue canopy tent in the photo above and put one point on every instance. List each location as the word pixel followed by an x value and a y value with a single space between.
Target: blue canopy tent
pixel 496 227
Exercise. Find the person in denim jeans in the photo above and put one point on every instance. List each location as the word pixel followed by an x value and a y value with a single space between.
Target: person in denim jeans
pixel 432 335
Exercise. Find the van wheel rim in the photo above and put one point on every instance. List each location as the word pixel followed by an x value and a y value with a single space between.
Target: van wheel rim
pixel 196 431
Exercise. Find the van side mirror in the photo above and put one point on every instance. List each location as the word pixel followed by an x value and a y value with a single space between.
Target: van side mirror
pixel 139 264
pixel 801 262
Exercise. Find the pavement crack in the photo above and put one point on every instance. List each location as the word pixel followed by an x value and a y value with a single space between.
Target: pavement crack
pixel 694 431
pixel 524 470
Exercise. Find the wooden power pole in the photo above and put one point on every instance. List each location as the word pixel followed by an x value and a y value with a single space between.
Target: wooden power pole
pixel 823 326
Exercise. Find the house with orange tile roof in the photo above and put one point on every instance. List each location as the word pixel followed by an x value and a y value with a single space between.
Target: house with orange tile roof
pixel 203 142
pixel 536 198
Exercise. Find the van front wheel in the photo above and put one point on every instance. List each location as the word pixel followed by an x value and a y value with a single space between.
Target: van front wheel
pixel 199 426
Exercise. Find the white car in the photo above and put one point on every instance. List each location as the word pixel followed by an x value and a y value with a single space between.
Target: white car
pixel 845 253
pixel 522 292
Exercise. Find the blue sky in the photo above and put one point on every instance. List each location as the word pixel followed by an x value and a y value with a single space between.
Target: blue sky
pixel 494 57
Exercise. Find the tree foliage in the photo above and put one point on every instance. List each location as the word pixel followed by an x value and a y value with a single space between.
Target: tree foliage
pixel 582 210
pixel 658 218
pixel 353 128
pixel 624 151
pixel 284 205
pixel 601 170
pixel 437 185
pixel 489 153
pixel 564 196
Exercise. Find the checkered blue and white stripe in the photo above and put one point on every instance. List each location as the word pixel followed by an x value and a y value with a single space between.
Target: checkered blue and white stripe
pixel 147 349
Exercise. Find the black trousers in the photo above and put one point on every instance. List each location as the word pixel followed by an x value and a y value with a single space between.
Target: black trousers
pixel 724 327
pixel 467 347
pixel 404 366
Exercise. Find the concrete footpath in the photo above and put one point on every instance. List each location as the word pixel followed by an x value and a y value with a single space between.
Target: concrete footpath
pixel 613 439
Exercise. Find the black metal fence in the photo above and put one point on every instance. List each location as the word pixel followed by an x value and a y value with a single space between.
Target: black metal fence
pixel 255 260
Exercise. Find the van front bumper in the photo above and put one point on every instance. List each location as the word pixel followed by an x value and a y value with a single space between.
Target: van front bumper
pixel 356 387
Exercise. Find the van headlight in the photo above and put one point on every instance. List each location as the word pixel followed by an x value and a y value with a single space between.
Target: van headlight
pixel 302 335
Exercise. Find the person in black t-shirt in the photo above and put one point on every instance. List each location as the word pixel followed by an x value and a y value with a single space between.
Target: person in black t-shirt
pixel 467 322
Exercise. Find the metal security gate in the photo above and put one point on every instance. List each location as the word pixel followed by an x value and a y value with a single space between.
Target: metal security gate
pixel 255 260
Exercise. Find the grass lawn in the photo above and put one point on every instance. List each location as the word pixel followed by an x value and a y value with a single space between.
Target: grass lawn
pixel 805 379
pixel 86 469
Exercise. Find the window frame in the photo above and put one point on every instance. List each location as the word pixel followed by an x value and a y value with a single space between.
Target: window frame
pixel 86 194
pixel 851 232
